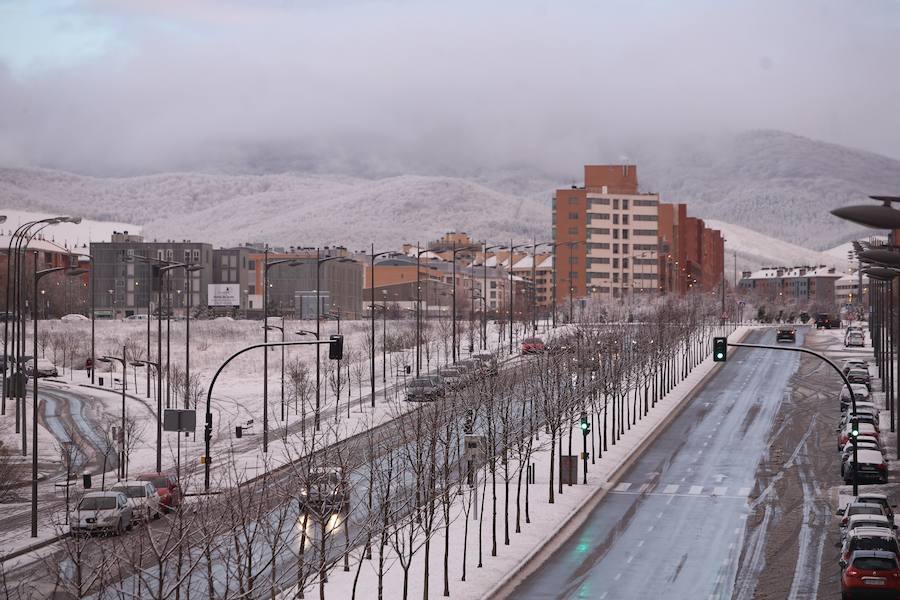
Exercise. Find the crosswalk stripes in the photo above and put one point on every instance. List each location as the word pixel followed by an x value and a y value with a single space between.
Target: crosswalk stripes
pixel 673 489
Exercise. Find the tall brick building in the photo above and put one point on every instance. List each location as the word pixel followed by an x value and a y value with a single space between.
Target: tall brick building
pixel 615 242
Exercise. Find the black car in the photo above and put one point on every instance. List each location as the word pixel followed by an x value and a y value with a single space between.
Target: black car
pixel 826 321
pixel 860 376
pixel 786 334
pixel 327 491
pixel 423 389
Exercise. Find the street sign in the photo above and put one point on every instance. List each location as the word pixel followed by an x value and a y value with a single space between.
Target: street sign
pixel 176 419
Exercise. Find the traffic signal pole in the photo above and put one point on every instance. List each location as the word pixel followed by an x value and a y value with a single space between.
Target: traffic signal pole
pixel 854 427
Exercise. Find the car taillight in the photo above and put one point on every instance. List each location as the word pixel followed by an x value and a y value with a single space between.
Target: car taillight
pixel 851 572
pixel 882 467
pixel 844 520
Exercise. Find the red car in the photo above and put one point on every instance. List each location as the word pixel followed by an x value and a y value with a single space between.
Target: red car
pixel 532 345
pixel 871 574
pixel 166 485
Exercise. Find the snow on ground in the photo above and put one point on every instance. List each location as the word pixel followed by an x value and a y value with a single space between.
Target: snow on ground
pixel 547 520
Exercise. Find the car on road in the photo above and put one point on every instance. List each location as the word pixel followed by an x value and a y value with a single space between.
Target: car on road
pixel 860 376
pixel 103 512
pixel 167 489
pixel 871 467
pixel 423 389
pixel 869 572
pixel 860 417
pixel 44 368
pixel 532 345
pixel 826 321
pixel 847 452
pixel 868 538
pixel 855 363
pixel 142 498
pixel 854 339
pixel 859 508
pixel 472 367
pixel 73 317
pixel 786 334
pixel 860 392
pixel 325 491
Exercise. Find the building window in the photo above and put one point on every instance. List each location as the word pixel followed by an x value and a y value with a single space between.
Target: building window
pixel 624 263
pixel 645 202
pixel 650 247
pixel 615 263
pixel 616 203
pixel 598 231
pixel 573 231
pixel 645 218
pixel 615 234
pixel 615 277
pixel 601 216
pixel 615 219
pixel 624 203
pixel 646 232
pixel 624 219
pixel 573 216
pixel 615 248
pixel 599 202
pixel 624 234
pixel 573 199
pixel 624 248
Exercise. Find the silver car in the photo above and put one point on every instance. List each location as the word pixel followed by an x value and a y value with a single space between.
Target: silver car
pixel 142 498
pixel 105 512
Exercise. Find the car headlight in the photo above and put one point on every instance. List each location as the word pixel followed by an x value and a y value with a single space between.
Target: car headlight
pixel 303 492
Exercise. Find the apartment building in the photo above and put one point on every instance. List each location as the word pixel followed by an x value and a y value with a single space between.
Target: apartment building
pixel 606 236
pixel 812 285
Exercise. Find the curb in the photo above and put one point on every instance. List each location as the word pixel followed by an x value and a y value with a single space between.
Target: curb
pixel 32 548
pixel 576 518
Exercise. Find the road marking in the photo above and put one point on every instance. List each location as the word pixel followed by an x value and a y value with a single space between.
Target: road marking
pixel 649 529
pixel 644 487
pixel 603 595
pixel 640 543
pixel 695 489
pixel 629 559
pixel 744 491
pixel 616 578
pixel 720 491
pixel 670 489
pixel 705 444
pixel 659 515
pixel 622 487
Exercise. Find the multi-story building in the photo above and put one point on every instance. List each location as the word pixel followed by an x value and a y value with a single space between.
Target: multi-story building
pixel 124 286
pixel 606 236
pixel 814 285
pixel 847 290
pixel 235 268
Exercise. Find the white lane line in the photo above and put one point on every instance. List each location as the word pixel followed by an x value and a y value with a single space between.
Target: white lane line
pixel 649 529
pixel 603 595
pixel 670 489
pixel 695 489
pixel 659 515
pixel 706 443
pixel 622 487
pixel 744 491
pixel 720 491
pixel 629 559
pixel 640 543
pixel 616 578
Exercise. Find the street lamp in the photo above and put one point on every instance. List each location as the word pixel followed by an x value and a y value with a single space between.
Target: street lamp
pixel 419 253
pixel 373 256
pixel 484 251
pixel 303 406
pixel 554 246
pixel 124 362
pixel 38 275
pixel 267 264
pixel 512 250
pixel 319 262
pixel 281 329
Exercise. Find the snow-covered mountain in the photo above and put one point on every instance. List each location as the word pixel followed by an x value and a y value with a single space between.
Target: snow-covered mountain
pixel 766 181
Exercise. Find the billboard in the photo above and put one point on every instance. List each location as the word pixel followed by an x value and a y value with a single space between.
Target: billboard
pixel 223 294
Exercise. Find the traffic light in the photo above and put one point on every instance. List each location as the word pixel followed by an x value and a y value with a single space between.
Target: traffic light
pixel 336 347
pixel 854 431
pixel 585 424
pixel 720 349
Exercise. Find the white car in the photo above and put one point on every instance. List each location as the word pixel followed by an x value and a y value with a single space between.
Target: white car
pixel 45 368
pixel 101 511
pixel 73 317
pixel 137 317
pixel 142 498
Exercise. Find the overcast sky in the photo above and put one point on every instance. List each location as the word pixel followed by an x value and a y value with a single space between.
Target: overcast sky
pixel 137 86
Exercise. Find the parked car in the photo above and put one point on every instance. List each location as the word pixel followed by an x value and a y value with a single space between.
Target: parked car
pixel 423 389
pixel 881 499
pixel 532 345
pixel 855 339
pixel 167 489
pixel 102 512
pixel 142 498
pixel 861 521
pixel 472 367
pixel 864 429
pixel 326 491
pixel 868 538
pixel 847 452
pixel 73 317
pixel 137 317
pixel 860 417
pixel 854 363
pixel 786 334
pixel 44 368
pixel 871 467
pixel 860 376
pixel 859 508
pixel 871 571
pixel 825 321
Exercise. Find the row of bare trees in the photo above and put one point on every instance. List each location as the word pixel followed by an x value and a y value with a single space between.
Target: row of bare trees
pixel 401 487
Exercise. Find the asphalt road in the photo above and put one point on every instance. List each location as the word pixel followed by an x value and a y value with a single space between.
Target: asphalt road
pixel 674 524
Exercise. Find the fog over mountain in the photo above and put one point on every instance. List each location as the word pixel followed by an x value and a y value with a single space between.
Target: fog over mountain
pixel 776 183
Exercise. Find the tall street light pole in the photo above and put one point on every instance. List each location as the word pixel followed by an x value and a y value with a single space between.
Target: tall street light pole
pixel 373 256
pixel 38 274
pixel 124 361
pixel 484 251
pixel 512 250
pixel 319 262
pixel 281 329
pixel 454 251
pixel 267 264
pixel 419 253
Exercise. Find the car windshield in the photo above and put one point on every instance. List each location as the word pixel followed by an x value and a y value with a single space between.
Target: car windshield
pixel 532 341
pixel 132 491
pixel 864 510
pixel 159 482
pixel 873 543
pixel 874 563
pixel 98 503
